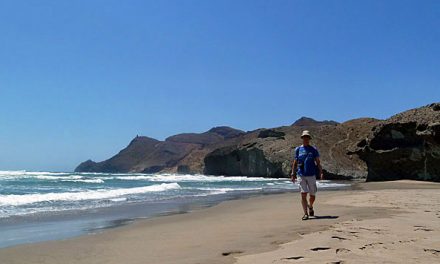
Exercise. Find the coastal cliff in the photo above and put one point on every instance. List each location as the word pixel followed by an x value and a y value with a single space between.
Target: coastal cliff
pixel 269 152
pixel 405 146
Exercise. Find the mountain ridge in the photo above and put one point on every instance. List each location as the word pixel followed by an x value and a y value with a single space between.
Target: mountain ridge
pixel 267 152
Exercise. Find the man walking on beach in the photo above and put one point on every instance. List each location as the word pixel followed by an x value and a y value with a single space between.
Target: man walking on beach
pixel 307 165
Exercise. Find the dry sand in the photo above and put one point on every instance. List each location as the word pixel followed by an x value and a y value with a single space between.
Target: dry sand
pixel 409 235
pixel 376 223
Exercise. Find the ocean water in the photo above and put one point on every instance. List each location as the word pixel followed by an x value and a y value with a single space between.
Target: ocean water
pixel 39 206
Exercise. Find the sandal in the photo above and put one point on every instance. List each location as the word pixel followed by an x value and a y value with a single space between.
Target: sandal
pixel 305 217
pixel 311 212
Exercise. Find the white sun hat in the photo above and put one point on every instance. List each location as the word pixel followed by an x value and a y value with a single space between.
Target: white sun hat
pixel 306 133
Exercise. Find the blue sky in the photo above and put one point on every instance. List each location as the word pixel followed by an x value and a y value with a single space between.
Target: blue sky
pixel 79 79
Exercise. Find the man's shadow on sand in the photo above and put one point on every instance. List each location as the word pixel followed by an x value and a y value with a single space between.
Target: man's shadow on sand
pixel 319 217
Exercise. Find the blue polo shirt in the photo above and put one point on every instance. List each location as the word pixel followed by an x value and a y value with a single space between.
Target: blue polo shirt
pixel 305 156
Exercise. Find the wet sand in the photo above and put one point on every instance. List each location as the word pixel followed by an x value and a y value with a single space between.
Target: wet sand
pixel 363 225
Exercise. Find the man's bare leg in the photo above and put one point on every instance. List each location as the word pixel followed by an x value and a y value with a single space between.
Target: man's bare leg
pixel 304 202
pixel 311 200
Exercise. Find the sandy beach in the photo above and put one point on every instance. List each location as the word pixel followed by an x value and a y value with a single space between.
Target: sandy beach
pixel 388 222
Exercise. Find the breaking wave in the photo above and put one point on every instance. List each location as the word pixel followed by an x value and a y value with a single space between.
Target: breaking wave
pixel 15 200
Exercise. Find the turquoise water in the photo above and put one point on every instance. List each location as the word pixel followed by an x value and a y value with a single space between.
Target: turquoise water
pixel 37 206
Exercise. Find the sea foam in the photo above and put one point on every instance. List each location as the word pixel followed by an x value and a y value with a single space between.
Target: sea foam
pixel 191 178
pixel 15 200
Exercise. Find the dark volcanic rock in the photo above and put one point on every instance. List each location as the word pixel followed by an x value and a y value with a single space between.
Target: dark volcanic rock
pixel 184 169
pixel 406 146
pixel 265 133
pixel 153 169
pixel 249 161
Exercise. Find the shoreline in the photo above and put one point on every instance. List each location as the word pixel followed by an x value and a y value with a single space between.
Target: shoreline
pixel 51 226
pixel 216 234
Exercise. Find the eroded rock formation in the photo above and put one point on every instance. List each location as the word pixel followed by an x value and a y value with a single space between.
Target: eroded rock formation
pixel 269 152
pixel 406 146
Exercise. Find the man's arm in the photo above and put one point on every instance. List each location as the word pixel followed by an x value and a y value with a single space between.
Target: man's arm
pixel 294 167
pixel 318 163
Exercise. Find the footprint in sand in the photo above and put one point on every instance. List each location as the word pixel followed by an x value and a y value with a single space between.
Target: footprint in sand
pixel 342 251
pixel 406 241
pixel 432 251
pixel 423 229
pixel 319 248
pixel 352 233
pixel 293 258
pixel 340 238
pixel 228 253
pixel 370 245
pixel 371 229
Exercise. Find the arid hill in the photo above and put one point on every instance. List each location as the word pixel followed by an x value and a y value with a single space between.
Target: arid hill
pixel 403 146
pixel 269 152
pixel 307 121
pixel 149 155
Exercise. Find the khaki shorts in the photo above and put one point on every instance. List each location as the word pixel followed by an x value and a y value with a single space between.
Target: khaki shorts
pixel 307 184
